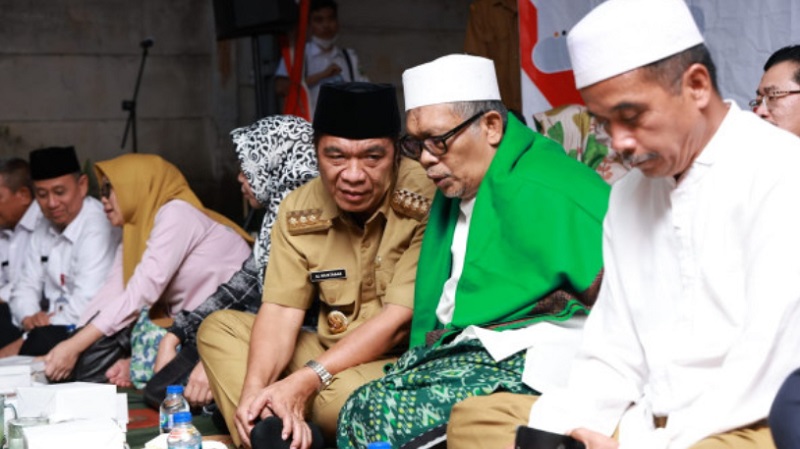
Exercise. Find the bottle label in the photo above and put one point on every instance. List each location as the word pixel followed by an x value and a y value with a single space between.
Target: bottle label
pixel 167 422
pixel 184 445
pixel 184 438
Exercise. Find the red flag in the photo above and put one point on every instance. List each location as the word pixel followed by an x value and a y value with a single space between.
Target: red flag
pixel 296 102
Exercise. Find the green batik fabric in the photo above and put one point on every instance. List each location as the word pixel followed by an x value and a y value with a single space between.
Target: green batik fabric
pixel 419 390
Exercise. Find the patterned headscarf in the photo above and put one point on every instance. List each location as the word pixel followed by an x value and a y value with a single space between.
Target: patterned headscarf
pixel 277 156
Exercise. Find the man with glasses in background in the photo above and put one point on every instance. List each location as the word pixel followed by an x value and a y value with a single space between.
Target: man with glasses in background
pixel 776 98
pixel 778 103
pixel 509 266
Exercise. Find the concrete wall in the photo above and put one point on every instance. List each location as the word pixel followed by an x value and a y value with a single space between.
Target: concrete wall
pixel 391 36
pixel 66 66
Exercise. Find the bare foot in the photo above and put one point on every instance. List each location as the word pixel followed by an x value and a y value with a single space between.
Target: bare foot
pixel 120 373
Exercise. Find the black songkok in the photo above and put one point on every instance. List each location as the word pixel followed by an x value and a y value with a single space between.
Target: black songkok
pixel 52 162
pixel 357 111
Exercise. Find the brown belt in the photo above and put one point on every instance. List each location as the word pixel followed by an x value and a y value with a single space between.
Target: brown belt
pixel 660 422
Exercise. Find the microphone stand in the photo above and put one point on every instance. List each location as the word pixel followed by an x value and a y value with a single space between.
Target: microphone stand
pixel 130 105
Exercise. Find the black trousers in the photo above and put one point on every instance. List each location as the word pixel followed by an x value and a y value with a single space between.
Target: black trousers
pixel 176 372
pixel 784 417
pixel 98 358
pixel 42 339
pixel 8 332
pixel 93 363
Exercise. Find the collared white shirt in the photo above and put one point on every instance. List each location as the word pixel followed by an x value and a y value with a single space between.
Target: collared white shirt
pixel 77 262
pixel 698 317
pixel 458 250
pixel 13 247
pixel 317 60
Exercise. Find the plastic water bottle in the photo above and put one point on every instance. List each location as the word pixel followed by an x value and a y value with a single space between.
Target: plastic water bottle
pixel 173 403
pixel 379 445
pixel 184 435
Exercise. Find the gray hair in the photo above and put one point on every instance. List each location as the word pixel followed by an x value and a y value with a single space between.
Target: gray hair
pixel 669 71
pixel 466 109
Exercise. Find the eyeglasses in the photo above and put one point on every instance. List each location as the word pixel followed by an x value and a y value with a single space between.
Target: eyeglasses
pixel 105 189
pixel 764 100
pixel 436 145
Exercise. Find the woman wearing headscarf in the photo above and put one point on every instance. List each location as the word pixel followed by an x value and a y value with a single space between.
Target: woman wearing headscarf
pixel 173 251
pixel 277 156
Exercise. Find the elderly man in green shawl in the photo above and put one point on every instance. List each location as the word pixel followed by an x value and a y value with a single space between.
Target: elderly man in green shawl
pixel 510 262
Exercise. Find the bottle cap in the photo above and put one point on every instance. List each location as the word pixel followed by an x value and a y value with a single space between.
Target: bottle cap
pixel 175 389
pixel 182 417
pixel 379 445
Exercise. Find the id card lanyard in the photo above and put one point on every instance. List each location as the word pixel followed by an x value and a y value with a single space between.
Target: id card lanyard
pixel 61 301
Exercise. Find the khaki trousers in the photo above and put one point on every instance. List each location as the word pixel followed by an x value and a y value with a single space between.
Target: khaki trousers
pixel 490 422
pixel 223 342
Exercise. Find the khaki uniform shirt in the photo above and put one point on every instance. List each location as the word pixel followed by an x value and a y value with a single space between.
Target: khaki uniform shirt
pixel 319 252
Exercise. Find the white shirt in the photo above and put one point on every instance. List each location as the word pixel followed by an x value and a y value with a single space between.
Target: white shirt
pixel 550 346
pixel 13 247
pixel 698 317
pixel 458 250
pixel 317 59
pixel 78 260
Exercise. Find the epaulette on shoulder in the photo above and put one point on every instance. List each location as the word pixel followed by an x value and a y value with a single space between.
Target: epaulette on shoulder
pixel 305 221
pixel 410 204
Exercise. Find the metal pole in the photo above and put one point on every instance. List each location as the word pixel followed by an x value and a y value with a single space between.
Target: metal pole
pixel 130 105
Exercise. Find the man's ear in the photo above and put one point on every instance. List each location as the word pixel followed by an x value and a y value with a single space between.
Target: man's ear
pixel 698 81
pixel 493 124
pixel 83 184
pixel 25 193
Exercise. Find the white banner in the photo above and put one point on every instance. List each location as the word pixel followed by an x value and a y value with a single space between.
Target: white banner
pixel 741 35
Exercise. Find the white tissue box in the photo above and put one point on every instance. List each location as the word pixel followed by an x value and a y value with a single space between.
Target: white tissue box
pixel 80 434
pixel 160 442
pixel 20 371
pixel 71 401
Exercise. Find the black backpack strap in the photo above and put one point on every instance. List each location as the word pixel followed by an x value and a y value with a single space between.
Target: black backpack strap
pixel 348 60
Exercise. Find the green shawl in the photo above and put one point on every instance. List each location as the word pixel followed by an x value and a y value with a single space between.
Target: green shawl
pixel 536 227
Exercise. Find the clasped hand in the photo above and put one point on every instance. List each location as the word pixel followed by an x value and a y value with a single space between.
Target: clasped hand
pixel 60 361
pixel 285 399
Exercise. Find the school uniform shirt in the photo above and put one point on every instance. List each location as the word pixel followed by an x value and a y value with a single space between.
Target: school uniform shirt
pixel 13 247
pixel 65 268
pixel 698 318
pixel 188 256
pixel 317 59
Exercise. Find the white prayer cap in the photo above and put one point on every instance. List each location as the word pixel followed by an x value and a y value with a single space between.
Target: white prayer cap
pixel 622 35
pixel 450 78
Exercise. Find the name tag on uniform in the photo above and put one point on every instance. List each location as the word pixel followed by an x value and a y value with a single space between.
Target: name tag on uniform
pixel 318 276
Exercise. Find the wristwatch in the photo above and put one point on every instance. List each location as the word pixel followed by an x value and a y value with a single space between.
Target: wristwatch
pixel 323 373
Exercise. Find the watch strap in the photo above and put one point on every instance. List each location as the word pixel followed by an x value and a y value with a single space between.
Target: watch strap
pixel 324 375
